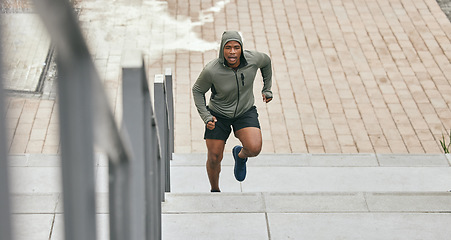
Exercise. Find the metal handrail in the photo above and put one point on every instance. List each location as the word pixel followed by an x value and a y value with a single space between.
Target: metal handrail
pixel 77 82
pixel 169 97
pixel 86 118
pixel 139 121
pixel 5 212
pixel 162 117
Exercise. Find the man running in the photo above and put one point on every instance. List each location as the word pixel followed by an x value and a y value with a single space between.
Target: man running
pixel 230 78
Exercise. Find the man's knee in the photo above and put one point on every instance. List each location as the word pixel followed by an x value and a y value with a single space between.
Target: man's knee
pixel 253 150
pixel 214 158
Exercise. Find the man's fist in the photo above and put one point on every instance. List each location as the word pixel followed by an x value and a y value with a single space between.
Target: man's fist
pixel 265 99
pixel 211 124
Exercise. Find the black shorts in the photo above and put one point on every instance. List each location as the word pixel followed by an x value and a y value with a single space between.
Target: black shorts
pixel 223 125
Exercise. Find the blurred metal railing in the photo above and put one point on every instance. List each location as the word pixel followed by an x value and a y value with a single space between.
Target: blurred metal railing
pixel 5 211
pixel 138 155
pixel 162 91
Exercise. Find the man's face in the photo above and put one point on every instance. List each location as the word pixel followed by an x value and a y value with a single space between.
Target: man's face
pixel 232 53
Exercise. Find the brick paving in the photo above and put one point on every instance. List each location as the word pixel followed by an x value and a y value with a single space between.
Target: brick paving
pixel 350 76
pixel 25 44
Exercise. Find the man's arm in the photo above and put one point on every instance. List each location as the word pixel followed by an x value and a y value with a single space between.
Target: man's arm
pixel 266 70
pixel 200 87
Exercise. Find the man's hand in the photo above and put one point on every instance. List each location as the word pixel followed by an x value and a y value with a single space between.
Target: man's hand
pixel 211 124
pixel 265 99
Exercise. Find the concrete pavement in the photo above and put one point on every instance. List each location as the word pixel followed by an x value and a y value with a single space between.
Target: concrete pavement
pixel 308 216
pixel 357 196
pixel 319 173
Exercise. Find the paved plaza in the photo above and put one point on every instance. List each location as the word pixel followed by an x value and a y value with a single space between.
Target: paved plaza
pixel 350 76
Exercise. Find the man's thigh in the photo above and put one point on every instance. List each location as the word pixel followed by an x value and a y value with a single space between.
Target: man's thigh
pixel 250 137
pixel 215 146
pixel 215 149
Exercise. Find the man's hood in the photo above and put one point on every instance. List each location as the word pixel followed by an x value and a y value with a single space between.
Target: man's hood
pixel 228 36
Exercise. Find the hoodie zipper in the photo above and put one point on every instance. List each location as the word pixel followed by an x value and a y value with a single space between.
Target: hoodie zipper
pixel 238 89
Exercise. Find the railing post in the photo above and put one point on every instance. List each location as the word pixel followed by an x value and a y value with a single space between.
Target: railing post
pixel 5 211
pixel 77 140
pixel 133 124
pixel 153 175
pixel 137 122
pixel 170 107
pixel 162 126
pixel 119 200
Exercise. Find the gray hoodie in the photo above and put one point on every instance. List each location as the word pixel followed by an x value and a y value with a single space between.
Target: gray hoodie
pixel 232 90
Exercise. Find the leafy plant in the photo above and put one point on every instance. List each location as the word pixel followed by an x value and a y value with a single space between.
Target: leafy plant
pixel 445 147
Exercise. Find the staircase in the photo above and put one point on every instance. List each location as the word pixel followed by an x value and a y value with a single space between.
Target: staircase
pixel 284 196
pixel 312 196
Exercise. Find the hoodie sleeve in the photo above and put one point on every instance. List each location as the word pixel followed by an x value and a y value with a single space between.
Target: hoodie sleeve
pixel 266 70
pixel 200 87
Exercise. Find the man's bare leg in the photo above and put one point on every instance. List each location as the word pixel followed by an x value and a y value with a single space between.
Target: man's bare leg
pixel 215 153
pixel 251 138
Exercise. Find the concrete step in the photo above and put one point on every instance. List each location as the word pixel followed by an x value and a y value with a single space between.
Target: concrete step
pixel 266 173
pixel 319 173
pixel 312 196
pixel 319 202
pixel 292 196
pixel 320 215
pixel 323 160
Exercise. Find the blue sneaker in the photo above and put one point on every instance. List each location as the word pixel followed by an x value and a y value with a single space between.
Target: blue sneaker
pixel 240 164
